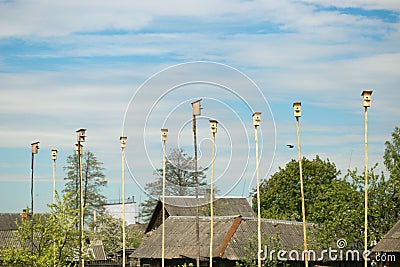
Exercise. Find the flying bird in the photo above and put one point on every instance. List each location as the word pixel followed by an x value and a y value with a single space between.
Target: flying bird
pixel 290 146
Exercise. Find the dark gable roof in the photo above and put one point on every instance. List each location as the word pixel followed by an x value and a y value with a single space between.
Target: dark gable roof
pixel 223 206
pixel 391 241
pixel 231 236
pixel 180 238
pixel 136 228
pixel 8 227
pixel 8 221
pixel 96 248
pixel 186 206
pixel 8 235
pixel 290 236
pixel 8 239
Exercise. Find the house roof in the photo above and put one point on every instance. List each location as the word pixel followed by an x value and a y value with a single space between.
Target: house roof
pixel 390 241
pixel 8 221
pixel 8 227
pixel 223 206
pixel 186 206
pixel 180 238
pixel 8 239
pixel 8 235
pixel 96 248
pixel 231 236
pixel 289 233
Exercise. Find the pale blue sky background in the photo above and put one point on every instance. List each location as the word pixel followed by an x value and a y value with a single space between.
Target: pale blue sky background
pixel 65 65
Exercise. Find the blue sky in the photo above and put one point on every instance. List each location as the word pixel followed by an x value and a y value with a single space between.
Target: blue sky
pixel 66 65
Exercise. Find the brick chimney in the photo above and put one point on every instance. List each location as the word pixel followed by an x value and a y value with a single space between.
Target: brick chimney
pixel 24 214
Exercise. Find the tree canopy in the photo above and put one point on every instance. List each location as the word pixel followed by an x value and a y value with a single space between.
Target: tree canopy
pixel 55 238
pixel 180 180
pixel 93 181
pixel 280 194
pixel 392 164
pixel 109 229
pixel 335 204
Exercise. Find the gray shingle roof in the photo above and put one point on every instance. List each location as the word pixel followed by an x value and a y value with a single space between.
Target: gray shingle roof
pixel 391 241
pixel 186 206
pixel 8 229
pixel 180 238
pixel 224 206
pixel 231 236
pixel 8 221
pixel 290 236
pixel 8 235
pixel 8 238
pixel 96 246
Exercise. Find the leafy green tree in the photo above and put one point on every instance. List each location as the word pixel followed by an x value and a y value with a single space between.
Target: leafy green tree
pixel 109 229
pixel 251 256
pixel 392 163
pixel 180 180
pixel 55 238
pixel 382 213
pixel 280 194
pixel 338 213
pixel 335 205
pixel 93 181
pixel 392 154
pixel 383 207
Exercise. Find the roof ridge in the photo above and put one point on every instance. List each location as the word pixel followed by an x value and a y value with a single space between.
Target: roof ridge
pixel 277 221
pixel 204 196
pixel 203 217
pixel 200 196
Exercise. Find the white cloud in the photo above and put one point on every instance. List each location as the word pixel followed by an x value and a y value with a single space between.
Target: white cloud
pixel 65 17
pixel 58 18
pixel 292 50
pixel 365 4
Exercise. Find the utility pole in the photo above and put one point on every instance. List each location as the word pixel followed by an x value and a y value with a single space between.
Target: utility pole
pixel 122 140
pixel 35 149
pixel 54 158
pixel 196 111
pixel 81 138
pixel 213 129
pixel 164 141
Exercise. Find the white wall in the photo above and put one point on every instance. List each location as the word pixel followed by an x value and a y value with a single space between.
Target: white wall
pixel 115 210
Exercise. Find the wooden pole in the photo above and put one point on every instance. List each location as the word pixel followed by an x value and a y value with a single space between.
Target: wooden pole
pixel 82 223
pixel 33 156
pixel 303 208
pixel 197 192
pixel 123 207
pixel 258 201
pixel 366 186
pixel 163 206
pixel 54 202
pixel 212 200
pixel 366 95
pixel 196 110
